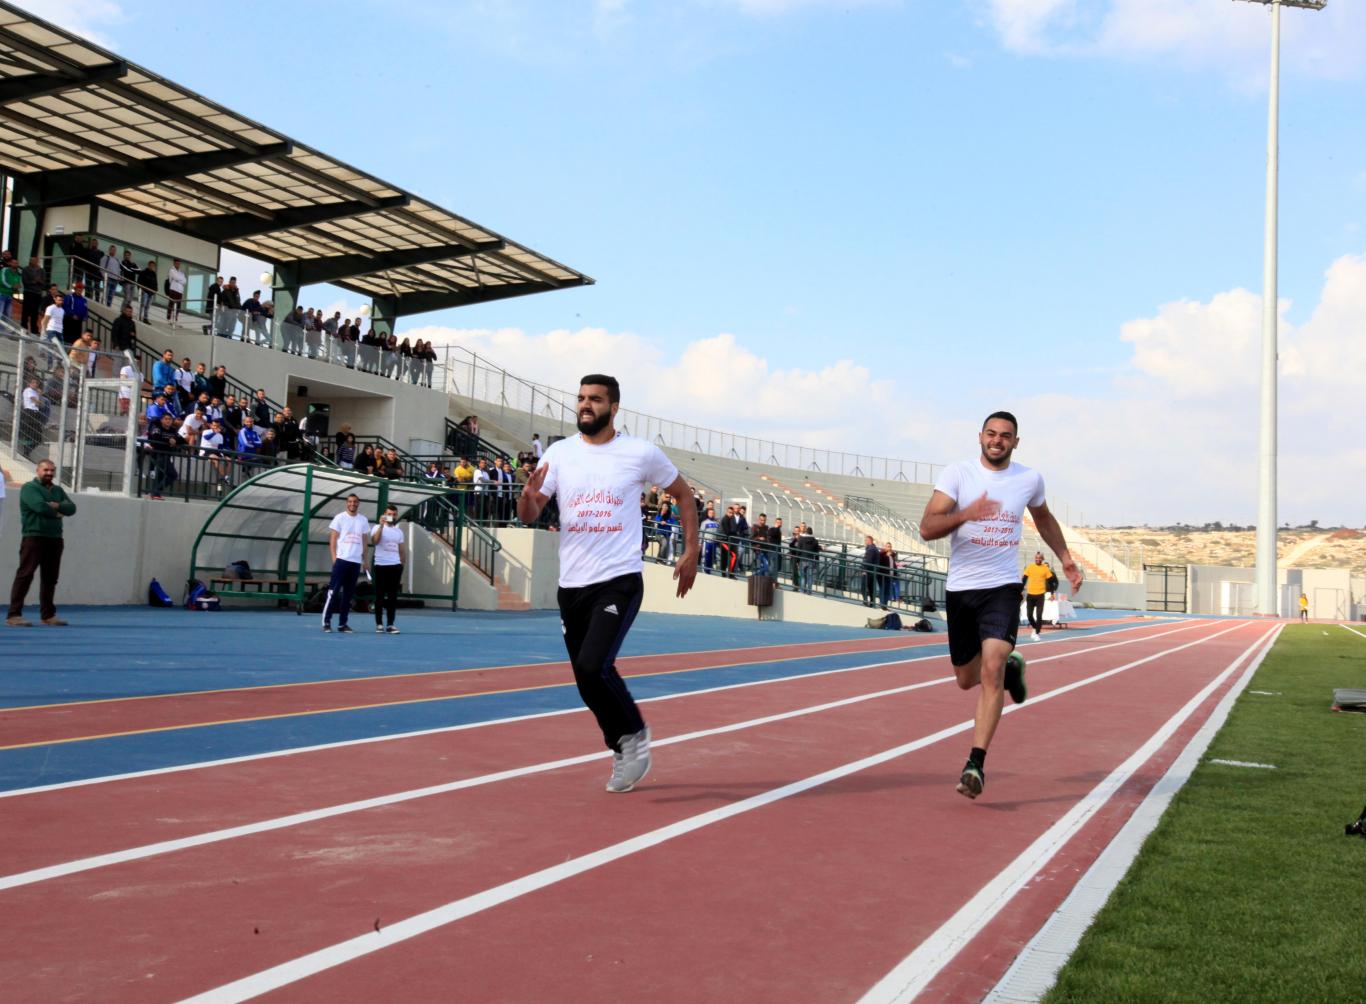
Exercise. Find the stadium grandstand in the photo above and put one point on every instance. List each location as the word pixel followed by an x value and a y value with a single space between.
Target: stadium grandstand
pixel 123 190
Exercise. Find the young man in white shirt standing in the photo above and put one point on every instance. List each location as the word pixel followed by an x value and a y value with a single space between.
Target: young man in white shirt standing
pixel 388 540
pixel 981 503
pixel 175 292
pixel 597 477
pixel 346 538
pixel 54 319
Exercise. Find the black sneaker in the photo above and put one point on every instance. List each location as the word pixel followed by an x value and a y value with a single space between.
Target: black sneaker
pixel 345 629
pixel 327 629
pixel 1015 678
pixel 971 780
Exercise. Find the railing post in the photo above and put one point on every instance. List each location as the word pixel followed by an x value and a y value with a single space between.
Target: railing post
pixel 18 396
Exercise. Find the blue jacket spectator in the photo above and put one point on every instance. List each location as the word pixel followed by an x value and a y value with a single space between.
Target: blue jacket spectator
pixel 163 372
pixel 248 439
pixel 156 409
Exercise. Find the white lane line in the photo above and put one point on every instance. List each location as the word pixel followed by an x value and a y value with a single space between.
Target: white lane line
pixel 345 951
pixel 1036 968
pixel 445 729
pixel 1352 629
pixel 141 852
pixel 909 977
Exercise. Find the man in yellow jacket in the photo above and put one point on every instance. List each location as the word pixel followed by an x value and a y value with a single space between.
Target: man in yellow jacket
pixel 1036 576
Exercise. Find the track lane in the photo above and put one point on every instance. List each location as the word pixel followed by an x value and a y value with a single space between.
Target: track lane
pixel 375 860
pixel 49 827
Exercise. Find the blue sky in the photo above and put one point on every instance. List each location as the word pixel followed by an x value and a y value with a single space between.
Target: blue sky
pixel 865 224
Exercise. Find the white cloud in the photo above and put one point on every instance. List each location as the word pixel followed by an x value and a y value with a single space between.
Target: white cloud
pixel 1217 34
pixel 85 18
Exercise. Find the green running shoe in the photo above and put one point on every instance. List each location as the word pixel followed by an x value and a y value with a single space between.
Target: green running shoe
pixel 971 780
pixel 1015 678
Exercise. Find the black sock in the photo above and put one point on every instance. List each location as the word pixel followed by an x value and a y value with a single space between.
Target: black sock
pixel 978 756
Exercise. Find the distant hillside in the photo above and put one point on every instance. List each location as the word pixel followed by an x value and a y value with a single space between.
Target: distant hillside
pixel 1303 547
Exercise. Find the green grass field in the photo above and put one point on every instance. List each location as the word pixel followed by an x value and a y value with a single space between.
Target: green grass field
pixel 1248 890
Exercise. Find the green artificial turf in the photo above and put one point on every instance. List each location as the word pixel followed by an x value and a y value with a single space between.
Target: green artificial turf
pixel 1248 890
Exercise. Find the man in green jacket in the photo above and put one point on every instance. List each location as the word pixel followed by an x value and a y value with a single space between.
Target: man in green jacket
pixel 42 507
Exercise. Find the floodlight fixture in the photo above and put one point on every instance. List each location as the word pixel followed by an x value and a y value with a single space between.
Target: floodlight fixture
pixel 1267 599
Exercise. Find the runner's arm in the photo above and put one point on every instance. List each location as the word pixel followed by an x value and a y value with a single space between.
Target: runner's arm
pixel 941 517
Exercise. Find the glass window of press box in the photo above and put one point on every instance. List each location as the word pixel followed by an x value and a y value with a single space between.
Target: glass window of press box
pixel 199 277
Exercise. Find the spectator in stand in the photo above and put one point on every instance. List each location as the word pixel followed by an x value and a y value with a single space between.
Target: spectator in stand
pixel 173 401
pixel 194 424
pixel 387 539
pixel 346 454
pixel 163 370
pixel 54 320
pixel 233 414
pixel 163 442
pixel 147 283
pixel 343 433
pixel 184 378
pixel 464 482
pixel 229 303
pixel 214 411
pixel 666 521
pixel 124 331
pixel 389 356
pixel 287 432
pixel 759 535
pixel 726 542
pixel 199 383
pixel 481 489
pixel 32 420
pixel 33 279
pixel 419 362
pixel 211 449
pixel 176 281
pixel 536 446
pixel 389 466
pixel 270 445
pixel 248 438
pixel 77 314
pixel 741 538
pixel 710 530
pixel 218 383
pixel 156 409
pixel 212 300
pixel 872 560
pixel 112 273
pixel 130 383
pixel 808 548
pixel 80 355
pixel 128 276
pixel 405 358
pixel 11 284
pixel 365 460
pixel 891 583
pixel 256 330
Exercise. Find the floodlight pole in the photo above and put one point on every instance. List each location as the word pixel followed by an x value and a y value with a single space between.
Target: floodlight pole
pixel 1267 598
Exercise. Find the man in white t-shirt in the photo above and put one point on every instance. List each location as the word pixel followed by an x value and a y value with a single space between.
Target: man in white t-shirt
pixel 175 292
pixel 981 503
pixel 54 319
pixel 211 449
pixel 346 537
pixel 597 477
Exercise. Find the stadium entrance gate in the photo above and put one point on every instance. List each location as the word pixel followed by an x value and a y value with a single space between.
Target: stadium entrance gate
pixel 1166 587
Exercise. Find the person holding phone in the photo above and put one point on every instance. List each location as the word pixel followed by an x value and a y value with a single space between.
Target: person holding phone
pixel 387 539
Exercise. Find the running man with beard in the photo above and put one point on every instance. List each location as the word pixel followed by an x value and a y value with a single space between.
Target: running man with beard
pixel 981 503
pixel 597 477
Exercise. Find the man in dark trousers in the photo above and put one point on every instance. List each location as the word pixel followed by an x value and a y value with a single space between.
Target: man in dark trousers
pixel 42 507
pixel 872 559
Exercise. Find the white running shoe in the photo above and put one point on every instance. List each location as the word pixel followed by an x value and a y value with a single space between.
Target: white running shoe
pixel 1034 636
pixel 632 763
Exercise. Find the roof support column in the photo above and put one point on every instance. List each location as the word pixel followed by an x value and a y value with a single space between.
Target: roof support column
pixel 284 290
pixel 383 315
pixel 26 220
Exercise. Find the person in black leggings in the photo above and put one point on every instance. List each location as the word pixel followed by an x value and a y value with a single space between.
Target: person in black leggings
pixel 387 539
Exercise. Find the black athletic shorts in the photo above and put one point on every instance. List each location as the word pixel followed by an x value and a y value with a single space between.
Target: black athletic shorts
pixel 978 614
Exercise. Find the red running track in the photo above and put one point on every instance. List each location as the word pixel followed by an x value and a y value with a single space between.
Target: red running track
pixel 811 897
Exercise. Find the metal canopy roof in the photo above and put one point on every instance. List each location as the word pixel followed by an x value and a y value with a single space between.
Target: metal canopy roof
pixel 77 122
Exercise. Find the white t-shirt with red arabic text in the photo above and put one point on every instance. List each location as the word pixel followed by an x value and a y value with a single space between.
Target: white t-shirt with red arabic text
pixel 598 490
pixel 984 552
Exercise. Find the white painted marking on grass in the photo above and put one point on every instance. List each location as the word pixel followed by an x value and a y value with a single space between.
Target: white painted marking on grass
pixel 1243 763
pixel 345 951
pixel 1266 693
pixel 49 872
pixel 444 729
pixel 922 965
pixel 1353 630
pixel 1036 968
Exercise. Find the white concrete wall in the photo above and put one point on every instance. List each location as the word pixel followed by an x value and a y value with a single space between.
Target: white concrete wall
pixel 114 547
pixel 168 244
pixel 1329 591
pixel 430 565
pixel 1113 595
pixel 66 220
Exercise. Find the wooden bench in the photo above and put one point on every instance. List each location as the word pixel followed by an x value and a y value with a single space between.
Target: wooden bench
pixel 261 585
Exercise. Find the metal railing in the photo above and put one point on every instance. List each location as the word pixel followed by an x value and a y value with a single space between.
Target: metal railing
pixel 193 474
